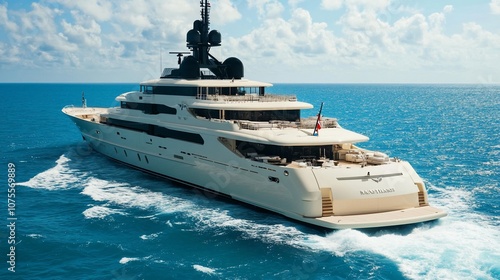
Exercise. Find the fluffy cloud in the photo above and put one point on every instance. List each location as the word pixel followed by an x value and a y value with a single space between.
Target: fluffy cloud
pixel 225 12
pixel 364 40
pixel 4 20
pixel 267 8
pixel 331 4
pixel 85 35
pixel 101 10
pixel 39 37
pixel 280 42
pixel 495 7
pixel 406 41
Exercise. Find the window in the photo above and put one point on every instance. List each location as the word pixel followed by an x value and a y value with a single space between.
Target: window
pixel 147 89
pixel 274 115
pixel 149 108
pixel 184 91
pixel 158 131
pixel 262 116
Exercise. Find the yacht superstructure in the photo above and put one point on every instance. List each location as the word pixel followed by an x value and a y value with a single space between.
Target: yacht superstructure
pixel 204 125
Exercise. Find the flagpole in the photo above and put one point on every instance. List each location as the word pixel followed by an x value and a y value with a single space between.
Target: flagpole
pixel 316 132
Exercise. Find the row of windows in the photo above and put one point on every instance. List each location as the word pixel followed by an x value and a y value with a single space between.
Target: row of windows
pixel 263 116
pixel 162 90
pixel 157 131
pixel 231 90
pixel 193 91
pixel 147 108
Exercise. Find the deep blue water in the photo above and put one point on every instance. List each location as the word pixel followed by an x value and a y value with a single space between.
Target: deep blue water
pixel 82 216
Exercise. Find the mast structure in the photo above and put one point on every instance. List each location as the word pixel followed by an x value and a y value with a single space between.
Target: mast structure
pixel 200 39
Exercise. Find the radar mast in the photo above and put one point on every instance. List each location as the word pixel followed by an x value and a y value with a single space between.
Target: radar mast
pixel 200 39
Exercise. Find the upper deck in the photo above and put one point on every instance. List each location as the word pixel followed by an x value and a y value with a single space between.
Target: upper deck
pixel 213 83
pixel 223 94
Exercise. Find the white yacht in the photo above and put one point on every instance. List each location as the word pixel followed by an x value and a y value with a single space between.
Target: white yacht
pixel 204 125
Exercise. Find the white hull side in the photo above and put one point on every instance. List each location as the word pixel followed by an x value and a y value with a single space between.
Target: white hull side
pixel 213 167
pixel 210 166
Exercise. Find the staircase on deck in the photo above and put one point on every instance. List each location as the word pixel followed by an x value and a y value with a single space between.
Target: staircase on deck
pixel 327 202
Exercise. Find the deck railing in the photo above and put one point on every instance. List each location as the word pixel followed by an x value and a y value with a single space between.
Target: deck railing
pixel 307 123
pixel 247 98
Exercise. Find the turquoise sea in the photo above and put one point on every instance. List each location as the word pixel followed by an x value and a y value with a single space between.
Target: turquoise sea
pixel 78 215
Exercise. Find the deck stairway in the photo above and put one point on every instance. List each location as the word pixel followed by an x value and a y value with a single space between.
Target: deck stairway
pixel 421 199
pixel 327 203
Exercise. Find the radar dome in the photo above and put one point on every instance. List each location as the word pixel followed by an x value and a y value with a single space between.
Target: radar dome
pixel 189 68
pixel 198 25
pixel 193 37
pixel 234 68
pixel 214 38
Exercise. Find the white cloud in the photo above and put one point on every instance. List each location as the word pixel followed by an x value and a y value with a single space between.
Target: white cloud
pixel 495 7
pixel 331 4
pixel 294 42
pixel 88 36
pixel 225 12
pixel 294 3
pixel 368 5
pixel 448 8
pixel 267 8
pixel 371 39
pixel 4 20
pixel 41 37
pixel 101 10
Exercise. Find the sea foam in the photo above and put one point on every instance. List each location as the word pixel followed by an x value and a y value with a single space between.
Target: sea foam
pixel 58 177
pixel 204 269
pixel 463 245
pixel 101 212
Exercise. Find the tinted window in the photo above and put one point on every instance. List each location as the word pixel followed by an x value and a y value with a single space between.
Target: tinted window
pixel 184 91
pixel 157 131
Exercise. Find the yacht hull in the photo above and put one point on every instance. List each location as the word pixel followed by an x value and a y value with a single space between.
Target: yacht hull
pixel 298 193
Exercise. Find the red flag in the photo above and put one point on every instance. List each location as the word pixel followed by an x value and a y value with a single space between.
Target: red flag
pixel 318 124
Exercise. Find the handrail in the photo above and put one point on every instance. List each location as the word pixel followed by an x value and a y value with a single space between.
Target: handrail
pixel 302 124
pixel 247 98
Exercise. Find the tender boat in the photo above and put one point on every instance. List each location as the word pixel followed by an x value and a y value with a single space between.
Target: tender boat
pixel 202 124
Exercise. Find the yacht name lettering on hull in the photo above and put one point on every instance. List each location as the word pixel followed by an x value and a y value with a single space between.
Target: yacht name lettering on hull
pixel 376 191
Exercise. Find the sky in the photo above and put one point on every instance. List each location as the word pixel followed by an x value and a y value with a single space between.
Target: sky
pixel 293 41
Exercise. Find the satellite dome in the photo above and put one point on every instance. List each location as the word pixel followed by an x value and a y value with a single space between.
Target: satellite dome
pixel 234 68
pixel 193 37
pixel 198 25
pixel 214 38
pixel 189 68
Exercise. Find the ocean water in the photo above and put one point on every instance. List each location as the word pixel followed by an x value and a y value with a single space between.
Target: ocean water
pixel 78 215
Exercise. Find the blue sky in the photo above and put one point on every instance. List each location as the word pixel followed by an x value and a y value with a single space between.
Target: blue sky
pixel 305 41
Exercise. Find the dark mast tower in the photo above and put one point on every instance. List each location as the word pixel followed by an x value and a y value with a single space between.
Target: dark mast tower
pixel 200 40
